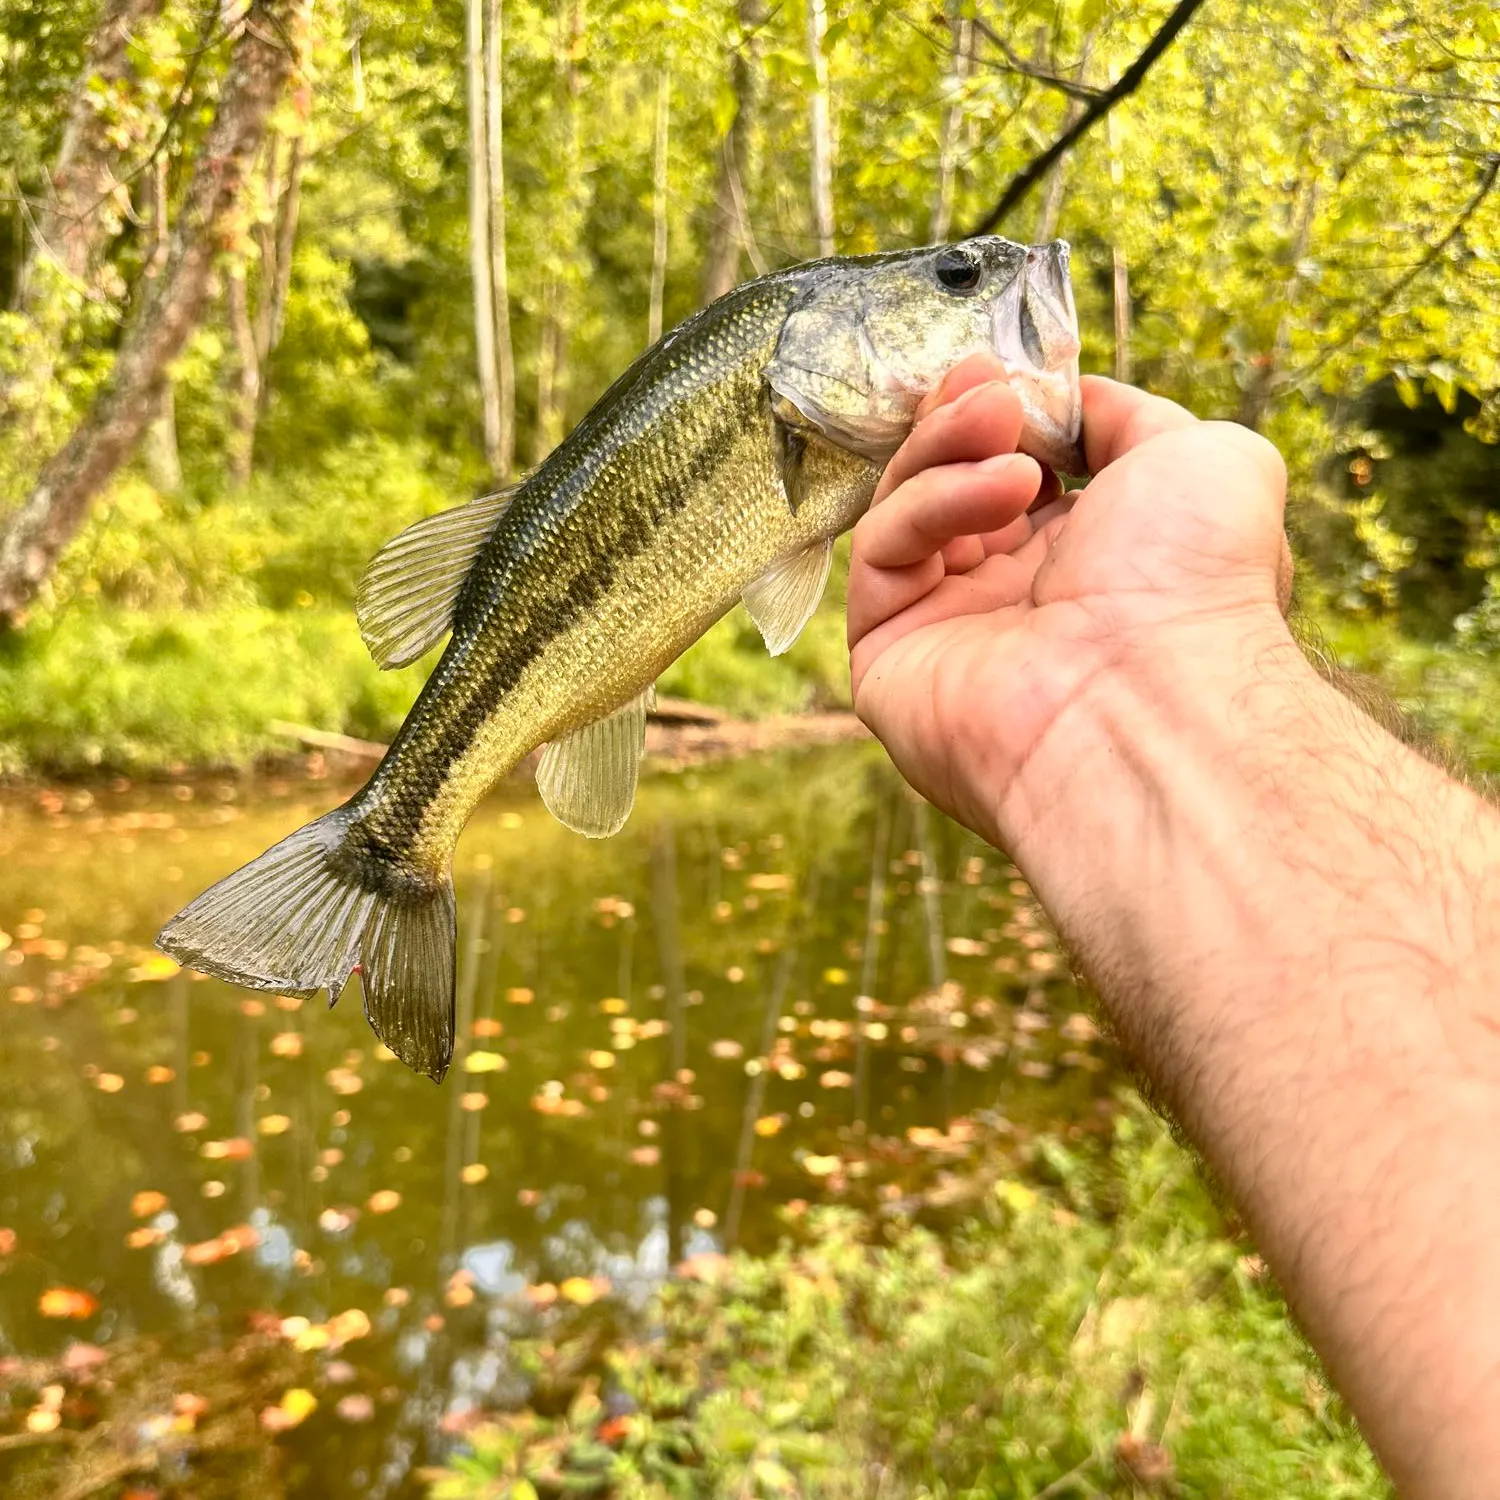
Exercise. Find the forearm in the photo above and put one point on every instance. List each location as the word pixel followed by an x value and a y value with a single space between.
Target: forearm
pixel 1286 915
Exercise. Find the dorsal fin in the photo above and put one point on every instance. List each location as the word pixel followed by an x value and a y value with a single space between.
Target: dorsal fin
pixel 406 596
pixel 587 778
pixel 782 600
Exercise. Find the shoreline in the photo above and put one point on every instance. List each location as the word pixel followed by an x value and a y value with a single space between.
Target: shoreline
pixel 679 734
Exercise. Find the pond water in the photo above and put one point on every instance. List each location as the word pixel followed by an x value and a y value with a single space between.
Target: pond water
pixel 786 980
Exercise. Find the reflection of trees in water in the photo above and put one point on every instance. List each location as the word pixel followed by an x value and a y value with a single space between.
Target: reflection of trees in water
pixel 788 869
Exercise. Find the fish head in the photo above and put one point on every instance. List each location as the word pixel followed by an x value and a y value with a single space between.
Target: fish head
pixel 868 339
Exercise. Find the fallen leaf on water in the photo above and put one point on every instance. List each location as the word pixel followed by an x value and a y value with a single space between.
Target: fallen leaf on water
pixel 384 1201
pixel 520 995
pixel 146 1203
pixel 190 1122
pixel 239 1237
pixel 583 1290
pixel 484 1062
pixel 346 1326
pixel 487 1027
pixel 67 1302
pixel 294 1408
pixel 109 1083
pixel 205 1253
pixel 356 1407
pixel 474 1101
pixel 236 1148
pixel 252 1008
pixel 286 1044
pixel 274 1124
pixel 475 1172
pixel 152 967
pixel 80 1357
pixel 144 1237
pixel 189 1406
pixel 160 1073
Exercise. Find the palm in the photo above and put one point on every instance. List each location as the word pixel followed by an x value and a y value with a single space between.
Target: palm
pixel 965 657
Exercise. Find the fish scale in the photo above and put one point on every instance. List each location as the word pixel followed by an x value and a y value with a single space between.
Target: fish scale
pixel 720 466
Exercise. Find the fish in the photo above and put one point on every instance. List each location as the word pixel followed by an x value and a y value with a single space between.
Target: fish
pixel 718 468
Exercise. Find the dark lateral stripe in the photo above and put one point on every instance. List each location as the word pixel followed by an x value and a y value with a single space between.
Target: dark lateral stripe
pixel 557 553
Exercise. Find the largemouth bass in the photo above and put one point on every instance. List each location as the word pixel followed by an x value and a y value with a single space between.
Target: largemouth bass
pixel 720 467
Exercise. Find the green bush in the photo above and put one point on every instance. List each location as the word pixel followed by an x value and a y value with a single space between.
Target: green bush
pixel 1090 1331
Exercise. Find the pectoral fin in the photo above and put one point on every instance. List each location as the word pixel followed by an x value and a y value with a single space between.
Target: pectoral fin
pixel 406 596
pixel 782 600
pixel 588 777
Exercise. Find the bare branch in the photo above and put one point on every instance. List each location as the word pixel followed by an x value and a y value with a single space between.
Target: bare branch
pixel 1129 81
pixel 1434 253
pixel 1015 63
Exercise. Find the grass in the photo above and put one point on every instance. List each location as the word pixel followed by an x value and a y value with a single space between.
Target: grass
pixel 1090 1330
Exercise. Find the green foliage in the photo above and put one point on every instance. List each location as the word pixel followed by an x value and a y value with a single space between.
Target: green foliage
pixel 1092 1314
pixel 1301 201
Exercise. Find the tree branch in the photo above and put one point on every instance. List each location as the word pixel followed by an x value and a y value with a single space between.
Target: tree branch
pixel 1435 251
pixel 1015 63
pixel 1129 81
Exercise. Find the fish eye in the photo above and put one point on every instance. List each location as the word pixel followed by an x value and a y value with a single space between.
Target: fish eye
pixel 958 271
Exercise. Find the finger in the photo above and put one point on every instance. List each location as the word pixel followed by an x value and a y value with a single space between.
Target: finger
pixel 936 506
pixel 902 548
pixel 976 369
pixel 984 421
pixel 1117 418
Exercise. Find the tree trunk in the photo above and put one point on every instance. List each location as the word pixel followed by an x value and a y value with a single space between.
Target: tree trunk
pixel 245 403
pixel 278 242
pixel 729 232
pixel 505 353
pixel 659 207
pixel 82 211
pixel 941 219
pixel 1124 366
pixel 552 358
pixel 480 268
pixel 162 459
pixel 1057 179
pixel 1256 400
pixel 37 532
pixel 819 129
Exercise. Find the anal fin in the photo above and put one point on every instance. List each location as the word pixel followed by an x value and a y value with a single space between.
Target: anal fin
pixel 782 600
pixel 588 777
pixel 407 594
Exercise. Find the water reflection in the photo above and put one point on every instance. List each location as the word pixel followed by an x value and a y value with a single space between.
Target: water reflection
pixel 783 981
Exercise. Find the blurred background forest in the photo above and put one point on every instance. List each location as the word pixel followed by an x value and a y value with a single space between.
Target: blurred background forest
pixel 274 285
pixel 780 1156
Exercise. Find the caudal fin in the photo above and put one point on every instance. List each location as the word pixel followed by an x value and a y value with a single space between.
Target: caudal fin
pixel 299 920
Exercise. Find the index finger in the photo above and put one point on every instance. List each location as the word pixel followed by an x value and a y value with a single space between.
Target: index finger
pixel 1117 418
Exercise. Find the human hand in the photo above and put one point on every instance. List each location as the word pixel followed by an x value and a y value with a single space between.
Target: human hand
pixel 982 609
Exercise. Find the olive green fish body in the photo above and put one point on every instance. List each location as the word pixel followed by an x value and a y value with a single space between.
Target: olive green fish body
pixel 719 467
pixel 637 535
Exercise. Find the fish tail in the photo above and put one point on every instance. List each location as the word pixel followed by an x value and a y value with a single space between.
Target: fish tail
pixel 309 912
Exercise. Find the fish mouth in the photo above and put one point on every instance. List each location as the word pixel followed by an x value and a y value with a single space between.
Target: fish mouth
pixel 1035 337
